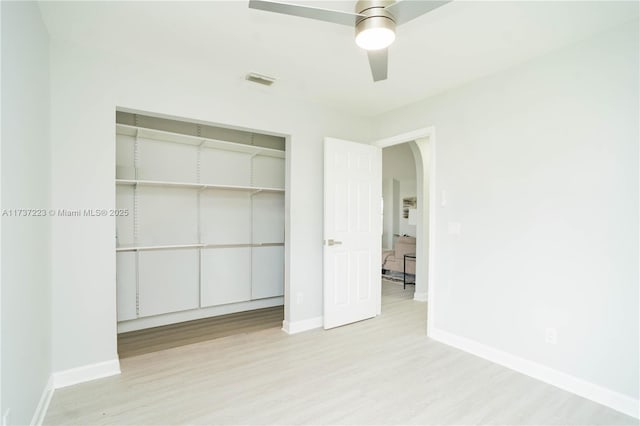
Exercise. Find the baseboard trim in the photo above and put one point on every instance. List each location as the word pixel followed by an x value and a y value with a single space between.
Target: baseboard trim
pixel 300 326
pixel 195 314
pixel 420 297
pixel 86 373
pixel 43 404
pixel 614 400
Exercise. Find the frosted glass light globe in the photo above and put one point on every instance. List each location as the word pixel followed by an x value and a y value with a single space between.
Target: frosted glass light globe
pixel 375 38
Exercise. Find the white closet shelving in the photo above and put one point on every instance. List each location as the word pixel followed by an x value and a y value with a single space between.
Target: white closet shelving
pixel 205 230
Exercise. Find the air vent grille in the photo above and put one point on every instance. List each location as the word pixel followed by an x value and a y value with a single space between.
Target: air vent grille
pixel 260 79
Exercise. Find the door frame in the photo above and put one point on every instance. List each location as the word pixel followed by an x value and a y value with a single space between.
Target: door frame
pixel 423 145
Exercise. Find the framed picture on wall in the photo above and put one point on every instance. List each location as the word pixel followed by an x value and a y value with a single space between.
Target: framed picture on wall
pixel 407 204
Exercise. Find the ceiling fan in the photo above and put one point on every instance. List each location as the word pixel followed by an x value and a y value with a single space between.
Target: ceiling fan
pixel 375 22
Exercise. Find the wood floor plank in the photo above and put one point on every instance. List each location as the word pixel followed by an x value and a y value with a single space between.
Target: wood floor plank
pixel 185 333
pixel 380 371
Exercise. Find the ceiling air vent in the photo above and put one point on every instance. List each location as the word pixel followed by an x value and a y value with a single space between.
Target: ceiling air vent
pixel 260 79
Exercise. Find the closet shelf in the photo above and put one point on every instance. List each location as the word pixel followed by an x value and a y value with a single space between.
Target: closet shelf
pixel 212 245
pixel 201 186
pixel 160 135
pixel 195 245
pixel 158 247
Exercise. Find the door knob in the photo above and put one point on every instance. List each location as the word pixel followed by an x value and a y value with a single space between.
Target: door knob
pixel 332 242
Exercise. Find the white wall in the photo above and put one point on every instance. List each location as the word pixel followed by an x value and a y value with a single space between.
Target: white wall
pixel 26 285
pixel 540 165
pixel 86 88
pixel 398 163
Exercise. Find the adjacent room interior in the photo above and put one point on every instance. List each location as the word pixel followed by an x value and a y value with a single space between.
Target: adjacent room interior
pixel 399 215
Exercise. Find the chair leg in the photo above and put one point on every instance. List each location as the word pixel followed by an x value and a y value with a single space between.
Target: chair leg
pixel 404 272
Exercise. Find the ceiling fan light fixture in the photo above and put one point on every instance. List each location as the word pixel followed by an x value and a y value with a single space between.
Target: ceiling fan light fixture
pixel 375 38
pixel 375 22
pixel 376 29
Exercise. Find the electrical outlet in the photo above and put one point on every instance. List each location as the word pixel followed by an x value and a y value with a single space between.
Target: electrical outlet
pixel 551 336
pixel 5 417
pixel 299 298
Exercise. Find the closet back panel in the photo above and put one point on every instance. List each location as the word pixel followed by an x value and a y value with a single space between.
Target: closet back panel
pixel 267 265
pixel 167 161
pixel 125 167
pixel 225 217
pixel 167 215
pixel 225 168
pixel 268 218
pixel 268 172
pixel 226 275
pixel 126 285
pixel 168 281
pixel 125 224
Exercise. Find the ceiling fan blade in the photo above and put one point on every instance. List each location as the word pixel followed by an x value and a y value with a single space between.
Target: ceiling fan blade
pixel 378 62
pixel 405 11
pixel 327 15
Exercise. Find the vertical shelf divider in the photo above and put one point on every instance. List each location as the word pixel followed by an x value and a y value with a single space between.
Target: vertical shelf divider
pixel 136 216
pixel 251 217
pixel 199 220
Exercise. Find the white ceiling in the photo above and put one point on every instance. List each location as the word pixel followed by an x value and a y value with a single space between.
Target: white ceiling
pixel 319 61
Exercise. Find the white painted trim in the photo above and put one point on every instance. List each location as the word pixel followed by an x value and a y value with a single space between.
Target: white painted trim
pixel 86 373
pixel 617 401
pixel 195 314
pixel 424 132
pixel 416 135
pixel 422 230
pixel 43 404
pixel 420 297
pixel 432 256
pixel 304 325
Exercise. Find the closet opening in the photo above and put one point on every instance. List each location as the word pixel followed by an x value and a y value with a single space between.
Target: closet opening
pixel 199 231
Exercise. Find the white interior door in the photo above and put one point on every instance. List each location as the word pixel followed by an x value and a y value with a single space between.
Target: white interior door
pixel 352 230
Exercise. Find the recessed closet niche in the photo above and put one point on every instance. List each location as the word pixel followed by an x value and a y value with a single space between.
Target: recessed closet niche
pixel 202 227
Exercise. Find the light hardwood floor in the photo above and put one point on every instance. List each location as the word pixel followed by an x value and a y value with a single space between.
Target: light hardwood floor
pixel 380 371
pixel 171 336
